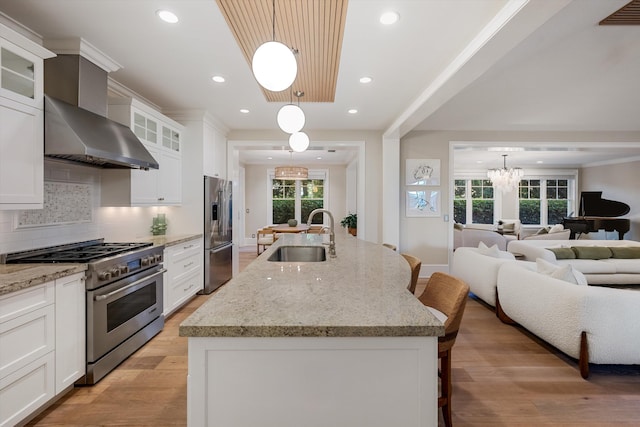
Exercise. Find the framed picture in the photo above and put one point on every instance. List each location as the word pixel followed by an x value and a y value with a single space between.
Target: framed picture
pixel 423 203
pixel 422 172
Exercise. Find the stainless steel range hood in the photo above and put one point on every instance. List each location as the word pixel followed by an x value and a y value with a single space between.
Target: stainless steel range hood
pixel 76 134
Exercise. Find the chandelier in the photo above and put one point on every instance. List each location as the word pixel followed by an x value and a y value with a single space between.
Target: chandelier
pixel 274 64
pixel 291 172
pixel 505 179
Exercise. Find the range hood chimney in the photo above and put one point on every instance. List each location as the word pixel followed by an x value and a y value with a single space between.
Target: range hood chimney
pixel 76 127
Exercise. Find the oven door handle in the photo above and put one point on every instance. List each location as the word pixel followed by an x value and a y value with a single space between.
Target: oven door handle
pixel 131 285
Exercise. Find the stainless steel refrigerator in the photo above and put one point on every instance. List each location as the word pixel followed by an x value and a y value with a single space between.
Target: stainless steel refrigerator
pixel 217 233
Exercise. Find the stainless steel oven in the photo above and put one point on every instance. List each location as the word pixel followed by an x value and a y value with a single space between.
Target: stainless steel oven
pixel 121 317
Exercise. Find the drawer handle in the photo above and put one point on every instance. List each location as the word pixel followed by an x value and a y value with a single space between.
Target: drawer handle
pixel 189 264
pixel 187 247
pixel 189 287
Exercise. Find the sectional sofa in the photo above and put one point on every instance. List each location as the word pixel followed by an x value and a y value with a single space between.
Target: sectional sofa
pixel 593 324
pixel 603 262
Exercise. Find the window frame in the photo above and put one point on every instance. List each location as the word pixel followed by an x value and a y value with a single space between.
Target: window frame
pixel 497 197
pixel 322 174
pixel 572 194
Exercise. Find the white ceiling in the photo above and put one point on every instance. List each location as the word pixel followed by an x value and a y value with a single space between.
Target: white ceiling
pixel 446 65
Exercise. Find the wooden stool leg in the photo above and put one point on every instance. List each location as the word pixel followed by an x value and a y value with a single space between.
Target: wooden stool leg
pixel 445 369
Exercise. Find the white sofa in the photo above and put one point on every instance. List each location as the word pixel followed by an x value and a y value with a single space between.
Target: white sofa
pixel 479 271
pixel 590 323
pixel 597 271
pixel 470 237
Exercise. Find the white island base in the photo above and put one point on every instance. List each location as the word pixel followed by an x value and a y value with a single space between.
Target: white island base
pixel 312 381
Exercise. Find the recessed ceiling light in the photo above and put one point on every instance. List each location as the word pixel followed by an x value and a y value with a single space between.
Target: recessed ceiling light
pixel 479 161
pixel 167 16
pixel 244 111
pixel 269 158
pixel 318 158
pixel 353 111
pixel 218 79
pixel 389 18
pixel 539 162
pixel 365 80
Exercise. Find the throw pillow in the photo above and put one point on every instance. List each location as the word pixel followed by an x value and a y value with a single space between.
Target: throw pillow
pixel 625 252
pixel 457 226
pixel 556 228
pixel 494 252
pixel 592 252
pixel 490 251
pixel 543 230
pixel 509 226
pixel 566 272
pixel 563 253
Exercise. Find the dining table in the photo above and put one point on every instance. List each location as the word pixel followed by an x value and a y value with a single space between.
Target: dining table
pixel 286 228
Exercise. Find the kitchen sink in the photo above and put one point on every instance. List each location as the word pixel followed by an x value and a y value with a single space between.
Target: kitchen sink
pixel 299 254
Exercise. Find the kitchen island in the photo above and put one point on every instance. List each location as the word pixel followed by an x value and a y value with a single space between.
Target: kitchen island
pixel 340 342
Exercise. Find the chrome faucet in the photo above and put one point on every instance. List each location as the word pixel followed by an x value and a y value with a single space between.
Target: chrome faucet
pixel 332 234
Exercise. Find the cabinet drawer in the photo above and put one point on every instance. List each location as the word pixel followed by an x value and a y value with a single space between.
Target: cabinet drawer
pixel 25 390
pixel 183 289
pixel 21 302
pixel 26 338
pixel 185 249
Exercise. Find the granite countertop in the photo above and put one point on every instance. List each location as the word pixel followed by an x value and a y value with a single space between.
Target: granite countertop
pixel 361 292
pixel 170 240
pixel 15 277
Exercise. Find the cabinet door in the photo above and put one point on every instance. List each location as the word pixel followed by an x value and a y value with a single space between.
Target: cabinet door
pixel 145 127
pixel 70 330
pixel 170 184
pixel 144 184
pixel 24 391
pixel 21 156
pixel 20 75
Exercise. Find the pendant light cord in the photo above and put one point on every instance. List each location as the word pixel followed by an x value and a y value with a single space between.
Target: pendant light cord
pixel 273 20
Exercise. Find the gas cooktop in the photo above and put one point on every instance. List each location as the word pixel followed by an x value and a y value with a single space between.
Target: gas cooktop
pixel 82 252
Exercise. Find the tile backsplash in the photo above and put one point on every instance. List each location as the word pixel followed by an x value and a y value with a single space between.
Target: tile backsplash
pixel 73 213
pixel 64 203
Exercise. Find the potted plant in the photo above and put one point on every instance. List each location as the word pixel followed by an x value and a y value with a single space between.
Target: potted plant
pixel 351 223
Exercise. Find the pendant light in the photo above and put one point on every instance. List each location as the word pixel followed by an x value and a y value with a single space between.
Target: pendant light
pixel 291 172
pixel 291 117
pixel 274 64
pixel 299 142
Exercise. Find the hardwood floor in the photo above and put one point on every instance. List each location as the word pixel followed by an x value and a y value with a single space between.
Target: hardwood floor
pixel 502 376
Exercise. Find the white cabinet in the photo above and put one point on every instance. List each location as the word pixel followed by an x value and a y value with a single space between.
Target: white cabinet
pixel 214 151
pixel 184 276
pixel 42 345
pixel 70 330
pixel 162 138
pixel 21 122
pixel 27 359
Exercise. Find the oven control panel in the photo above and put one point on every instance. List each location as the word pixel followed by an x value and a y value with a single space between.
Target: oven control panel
pixel 113 272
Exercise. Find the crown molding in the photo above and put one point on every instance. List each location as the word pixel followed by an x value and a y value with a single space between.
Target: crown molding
pixel 79 46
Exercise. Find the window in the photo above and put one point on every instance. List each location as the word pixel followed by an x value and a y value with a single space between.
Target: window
pixel 474 199
pixel 297 198
pixel 545 201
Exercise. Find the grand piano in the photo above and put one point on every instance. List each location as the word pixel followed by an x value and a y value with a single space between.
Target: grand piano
pixel 596 213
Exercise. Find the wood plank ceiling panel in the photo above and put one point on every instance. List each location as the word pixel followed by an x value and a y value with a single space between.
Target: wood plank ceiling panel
pixel 314 27
pixel 628 14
